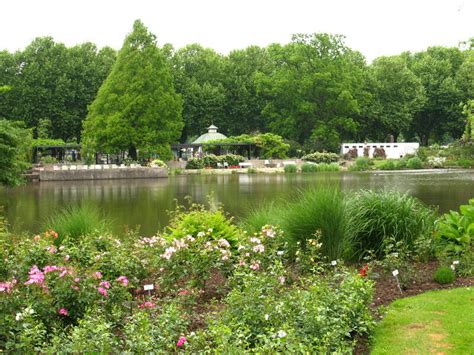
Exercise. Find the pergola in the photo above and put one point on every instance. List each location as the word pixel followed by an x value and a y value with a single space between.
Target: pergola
pixel 57 151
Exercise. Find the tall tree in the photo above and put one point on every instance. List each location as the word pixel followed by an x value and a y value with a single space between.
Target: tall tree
pixel 51 82
pixel 15 151
pixel 198 74
pixel 312 95
pixel 137 108
pixel 243 107
pixel 441 114
pixel 396 95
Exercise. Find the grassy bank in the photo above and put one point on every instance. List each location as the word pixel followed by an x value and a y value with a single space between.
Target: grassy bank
pixel 434 322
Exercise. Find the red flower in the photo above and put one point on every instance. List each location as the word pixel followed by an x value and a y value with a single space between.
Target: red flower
pixel 363 271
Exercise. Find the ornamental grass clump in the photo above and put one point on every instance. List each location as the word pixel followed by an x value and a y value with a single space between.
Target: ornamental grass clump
pixel 78 221
pixel 308 212
pixel 374 217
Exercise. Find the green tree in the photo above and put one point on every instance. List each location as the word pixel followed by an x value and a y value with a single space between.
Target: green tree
pixel 137 107
pixel 198 74
pixel 396 95
pixel 243 107
pixel 441 113
pixel 50 81
pixel 312 95
pixel 15 151
pixel 468 111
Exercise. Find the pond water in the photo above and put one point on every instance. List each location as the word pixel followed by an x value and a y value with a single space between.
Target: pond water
pixel 146 202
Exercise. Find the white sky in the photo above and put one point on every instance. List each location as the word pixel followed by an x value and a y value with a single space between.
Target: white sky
pixel 374 27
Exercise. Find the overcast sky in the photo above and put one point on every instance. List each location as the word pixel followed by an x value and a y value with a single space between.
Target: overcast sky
pixel 374 27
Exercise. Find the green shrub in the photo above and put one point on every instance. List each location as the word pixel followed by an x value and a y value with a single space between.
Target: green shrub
pixel 78 221
pixel 195 163
pixel 414 163
pixel 444 275
pixel 455 231
pixel 389 165
pixel 360 164
pixel 210 161
pixel 319 157
pixel 290 168
pixel 377 216
pixel 199 219
pixel 231 159
pixel 251 171
pixel 465 163
pixel 265 316
pixel 158 163
pixel 48 159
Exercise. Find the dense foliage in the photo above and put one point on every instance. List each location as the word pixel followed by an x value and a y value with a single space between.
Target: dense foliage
pixel 314 91
pixel 15 142
pixel 136 108
pixel 214 161
pixel 86 294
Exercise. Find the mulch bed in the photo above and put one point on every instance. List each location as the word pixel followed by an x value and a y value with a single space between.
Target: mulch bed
pixel 386 291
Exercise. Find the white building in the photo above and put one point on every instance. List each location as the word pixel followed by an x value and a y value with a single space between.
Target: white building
pixel 392 150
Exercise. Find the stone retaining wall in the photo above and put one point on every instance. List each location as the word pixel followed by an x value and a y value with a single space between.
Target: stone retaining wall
pixel 105 174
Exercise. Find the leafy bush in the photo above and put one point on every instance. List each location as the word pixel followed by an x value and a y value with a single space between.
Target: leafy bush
pixel 251 171
pixel 444 275
pixel 195 163
pixel 15 152
pixel 48 159
pixel 265 316
pixel 211 160
pixel 231 159
pixel 436 162
pixel 377 216
pixel 323 157
pixel 158 163
pixel 290 168
pixel 389 165
pixel 360 164
pixel 414 163
pixel 197 218
pixel 455 231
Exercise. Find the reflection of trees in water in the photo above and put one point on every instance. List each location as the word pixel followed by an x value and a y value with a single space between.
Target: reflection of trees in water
pixel 145 202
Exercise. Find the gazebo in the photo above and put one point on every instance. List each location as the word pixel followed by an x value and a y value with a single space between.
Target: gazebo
pixel 195 148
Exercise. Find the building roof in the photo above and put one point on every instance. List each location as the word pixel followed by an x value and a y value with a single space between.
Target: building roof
pixel 211 135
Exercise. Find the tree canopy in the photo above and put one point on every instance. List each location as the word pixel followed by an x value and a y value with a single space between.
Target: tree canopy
pixel 315 92
pixel 136 108
pixel 15 150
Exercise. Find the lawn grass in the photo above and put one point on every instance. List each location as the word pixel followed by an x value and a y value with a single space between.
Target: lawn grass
pixel 440 322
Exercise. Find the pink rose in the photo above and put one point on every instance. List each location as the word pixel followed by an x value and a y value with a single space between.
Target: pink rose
pixel 102 291
pixel 63 312
pixel 181 342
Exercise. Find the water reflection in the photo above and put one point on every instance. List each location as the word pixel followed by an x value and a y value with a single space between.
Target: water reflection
pixel 145 202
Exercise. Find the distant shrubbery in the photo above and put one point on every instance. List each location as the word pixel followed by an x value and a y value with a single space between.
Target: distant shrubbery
pixel 319 157
pixel 212 161
pixel 312 168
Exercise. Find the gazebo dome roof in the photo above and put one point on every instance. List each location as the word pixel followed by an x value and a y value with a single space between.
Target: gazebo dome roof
pixel 211 135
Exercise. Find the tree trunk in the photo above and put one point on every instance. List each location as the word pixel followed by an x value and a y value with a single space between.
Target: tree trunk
pixel 132 153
